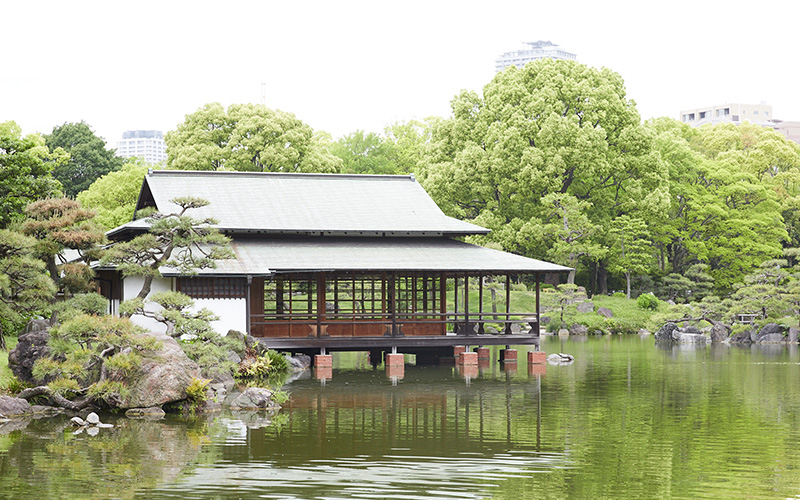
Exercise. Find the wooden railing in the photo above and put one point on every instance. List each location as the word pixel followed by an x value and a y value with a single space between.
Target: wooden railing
pixel 387 324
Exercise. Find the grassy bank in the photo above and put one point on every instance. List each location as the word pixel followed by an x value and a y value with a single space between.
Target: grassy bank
pixel 5 372
pixel 628 317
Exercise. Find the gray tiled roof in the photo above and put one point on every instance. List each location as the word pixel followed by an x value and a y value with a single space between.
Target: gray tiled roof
pixel 261 256
pixel 280 203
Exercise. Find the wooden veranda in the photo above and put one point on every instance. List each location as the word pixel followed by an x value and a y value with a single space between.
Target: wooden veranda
pixel 402 311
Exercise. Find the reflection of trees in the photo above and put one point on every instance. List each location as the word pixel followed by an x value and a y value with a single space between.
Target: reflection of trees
pixel 45 460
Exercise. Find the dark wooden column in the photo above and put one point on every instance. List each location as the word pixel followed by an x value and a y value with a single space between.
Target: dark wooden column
pixel 508 304
pixel 467 327
pixel 320 302
pixel 393 301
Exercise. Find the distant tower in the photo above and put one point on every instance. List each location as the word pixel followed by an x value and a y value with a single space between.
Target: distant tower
pixel 533 51
pixel 148 145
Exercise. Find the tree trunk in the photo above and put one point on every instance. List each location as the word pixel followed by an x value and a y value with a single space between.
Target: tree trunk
pixel 602 278
pixel 628 283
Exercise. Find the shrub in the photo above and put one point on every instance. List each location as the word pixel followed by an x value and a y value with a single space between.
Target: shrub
pixel 619 295
pixel 280 397
pixel 256 365
pixel 648 302
pixel 519 287
pixel 196 391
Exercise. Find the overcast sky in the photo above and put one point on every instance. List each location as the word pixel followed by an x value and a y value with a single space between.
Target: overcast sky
pixel 347 65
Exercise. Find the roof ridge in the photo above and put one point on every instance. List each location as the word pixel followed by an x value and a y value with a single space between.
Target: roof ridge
pixel 161 172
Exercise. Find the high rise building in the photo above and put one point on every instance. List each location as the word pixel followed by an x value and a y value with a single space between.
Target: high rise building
pixel 146 144
pixel 734 112
pixel 533 51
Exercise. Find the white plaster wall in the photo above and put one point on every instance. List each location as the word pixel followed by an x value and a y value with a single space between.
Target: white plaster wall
pixel 130 289
pixel 232 313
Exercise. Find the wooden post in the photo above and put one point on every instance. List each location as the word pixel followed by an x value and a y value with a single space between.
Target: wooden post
pixel 480 304
pixel 538 311
pixel 320 302
pixel 467 328
pixel 393 302
pixel 508 304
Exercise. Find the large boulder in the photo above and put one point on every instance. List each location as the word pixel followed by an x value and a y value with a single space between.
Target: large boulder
pixel 690 329
pixel 162 377
pixel 690 338
pixel 13 407
pixel 664 334
pixel 605 312
pixel 578 329
pixel 254 398
pixel 792 337
pixel 299 362
pixel 770 333
pixel 771 338
pixel 743 337
pixel 31 346
pixel 719 333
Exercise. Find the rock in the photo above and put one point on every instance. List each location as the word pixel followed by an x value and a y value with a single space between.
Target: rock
pixel 14 407
pixel 719 333
pixel 770 338
pixel 770 333
pixel 31 346
pixel 741 337
pixel 516 327
pixel 254 398
pixel 690 329
pixel 585 307
pixel 37 325
pixel 605 312
pixel 78 421
pixel 299 361
pixel 92 418
pixel 563 331
pixel 240 341
pixel 233 357
pixel 162 377
pixel 578 329
pixel 560 359
pixel 545 320
pixel 691 338
pixel 643 332
pixel 153 413
pixel 665 333
pixel 219 375
pixel 792 337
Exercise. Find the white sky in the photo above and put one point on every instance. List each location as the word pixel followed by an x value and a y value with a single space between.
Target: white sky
pixel 343 65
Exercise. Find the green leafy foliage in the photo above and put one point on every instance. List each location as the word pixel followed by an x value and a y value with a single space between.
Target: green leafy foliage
pixel 647 301
pixel 25 288
pixel 113 196
pixel 248 137
pixel 88 157
pixel 25 172
pixel 196 391
pixel 260 366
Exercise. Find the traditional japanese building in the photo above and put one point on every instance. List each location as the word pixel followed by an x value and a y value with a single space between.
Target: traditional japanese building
pixel 338 262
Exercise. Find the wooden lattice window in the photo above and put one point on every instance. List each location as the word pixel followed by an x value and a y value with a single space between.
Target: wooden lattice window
pixel 212 288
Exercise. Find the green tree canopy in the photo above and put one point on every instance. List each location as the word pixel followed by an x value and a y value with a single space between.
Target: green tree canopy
pixel 552 127
pixel 113 197
pixel 25 287
pixel 722 213
pixel 58 224
pixel 25 166
pixel 364 153
pixel 88 157
pixel 248 137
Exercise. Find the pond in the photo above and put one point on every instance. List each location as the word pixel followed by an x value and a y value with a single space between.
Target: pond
pixel 628 419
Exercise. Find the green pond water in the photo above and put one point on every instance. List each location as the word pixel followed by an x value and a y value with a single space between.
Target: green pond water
pixel 628 419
